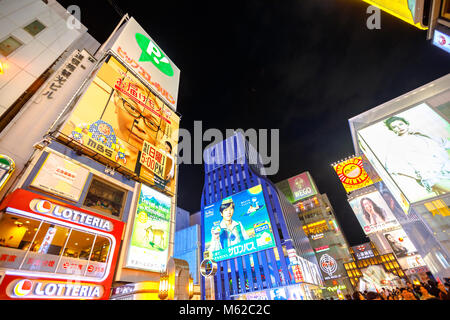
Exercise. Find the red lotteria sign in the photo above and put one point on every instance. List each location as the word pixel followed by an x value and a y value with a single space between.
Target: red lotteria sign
pixel 46 275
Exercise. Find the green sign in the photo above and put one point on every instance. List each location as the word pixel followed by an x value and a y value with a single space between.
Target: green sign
pixel 150 52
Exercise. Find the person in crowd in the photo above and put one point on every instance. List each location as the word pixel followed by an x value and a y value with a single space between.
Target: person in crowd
pixel 348 297
pixel 373 296
pixel 425 295
pixel 358 296
pixel 407 295
pixel 443 292
pixel 413 290
pixel 432 288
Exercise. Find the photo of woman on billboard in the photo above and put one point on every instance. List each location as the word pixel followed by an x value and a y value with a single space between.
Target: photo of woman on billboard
pixel 229 232
pixel 372 213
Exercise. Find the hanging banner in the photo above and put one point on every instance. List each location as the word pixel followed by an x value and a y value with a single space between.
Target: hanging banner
pixel 352 174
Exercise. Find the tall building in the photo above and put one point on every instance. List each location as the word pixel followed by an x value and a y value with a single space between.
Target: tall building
pixel 92 199
pixel 320 224
pixel 405 141
pixel 251 231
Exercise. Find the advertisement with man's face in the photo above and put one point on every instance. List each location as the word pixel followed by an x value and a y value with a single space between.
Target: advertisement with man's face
pixel 149 247
pixel 301 186
pixel 372 212
pixel 238 225
pixel 120 119
pixel 400 243
pixel 413 147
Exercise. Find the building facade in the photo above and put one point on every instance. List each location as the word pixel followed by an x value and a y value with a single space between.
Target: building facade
pixel 262 251
pixel 405 141
pixel 87 203
pixel 321 226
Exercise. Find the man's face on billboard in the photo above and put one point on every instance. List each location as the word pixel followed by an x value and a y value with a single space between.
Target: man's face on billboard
pixel 135 122
pixel 399 127
pixel 227 213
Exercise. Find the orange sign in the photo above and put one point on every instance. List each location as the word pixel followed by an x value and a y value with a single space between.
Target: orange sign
pixel 352 174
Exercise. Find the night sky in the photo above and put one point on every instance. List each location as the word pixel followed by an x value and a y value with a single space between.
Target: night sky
pixel 304 67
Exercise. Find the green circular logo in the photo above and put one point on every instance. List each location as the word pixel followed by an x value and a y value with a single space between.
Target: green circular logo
pixel 150 52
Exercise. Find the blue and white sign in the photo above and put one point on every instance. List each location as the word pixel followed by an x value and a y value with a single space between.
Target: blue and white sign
pixel 441 40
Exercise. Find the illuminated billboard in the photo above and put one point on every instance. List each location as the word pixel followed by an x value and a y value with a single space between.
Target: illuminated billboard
pixel 142 55
pixel 409 11
pixel 441 40
pixel 119 118
pixel 238 225
pixel 412 149
pixel 352 174
pixel 372 212
pixel 302 186
pixel 149 245
pixel 61 177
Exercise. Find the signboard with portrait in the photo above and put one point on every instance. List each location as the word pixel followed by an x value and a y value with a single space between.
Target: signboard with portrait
pixel 149 244
pixel 302 186
pixel 372 212
pixel 61 177
pixel 413 149
pixel 352 174
pixel 238 225
pixel 119 118
pixel 400 244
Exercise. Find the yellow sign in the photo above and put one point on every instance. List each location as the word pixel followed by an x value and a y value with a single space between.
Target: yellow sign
pixel 352 174
pixel 402 9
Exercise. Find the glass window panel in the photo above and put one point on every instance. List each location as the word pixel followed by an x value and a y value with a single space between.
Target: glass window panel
pixel 46 248
pixel 34 28
pixel 76 253
pixel 105 198
pixel 99 257
pixel 9 45
pixel 16 234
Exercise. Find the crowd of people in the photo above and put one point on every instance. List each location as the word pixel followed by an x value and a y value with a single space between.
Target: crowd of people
pixel 430 290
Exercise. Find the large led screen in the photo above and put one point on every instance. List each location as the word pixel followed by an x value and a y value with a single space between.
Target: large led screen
pixel 413 147
pixel 372 212
pixel 238 225
pixel 149 246
pixel 119 118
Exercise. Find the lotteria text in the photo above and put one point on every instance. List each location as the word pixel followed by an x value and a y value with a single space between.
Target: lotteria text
pixel 46 207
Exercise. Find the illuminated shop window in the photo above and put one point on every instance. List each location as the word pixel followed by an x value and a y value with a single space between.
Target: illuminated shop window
pixel 105 198
pixel 36 245
pixel 34 28
pixel 9 45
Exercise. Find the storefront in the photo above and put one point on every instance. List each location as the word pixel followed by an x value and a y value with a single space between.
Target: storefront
pixel 53 250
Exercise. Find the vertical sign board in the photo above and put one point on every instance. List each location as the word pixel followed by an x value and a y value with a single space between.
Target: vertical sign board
pixel 352 174
pixel 149 245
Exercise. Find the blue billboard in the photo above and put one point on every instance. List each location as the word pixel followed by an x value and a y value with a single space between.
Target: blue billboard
pixel 238 225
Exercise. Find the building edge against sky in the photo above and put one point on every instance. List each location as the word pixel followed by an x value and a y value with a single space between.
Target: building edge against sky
pixel 320 224
pixel 267 255
pixel 424 213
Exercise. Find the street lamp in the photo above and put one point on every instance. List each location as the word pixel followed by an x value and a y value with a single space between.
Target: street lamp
pixel 163 286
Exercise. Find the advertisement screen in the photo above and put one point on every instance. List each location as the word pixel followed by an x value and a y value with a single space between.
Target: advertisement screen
pixel 363 251
pixel 301 186
pixel 119 118
pixel 352 174
pixel 61 177
pixel 149 246
pixel 413 147
pixel 278 294
pixel 441 40
pixel 372 212
pixel 330 268
pixel 238 225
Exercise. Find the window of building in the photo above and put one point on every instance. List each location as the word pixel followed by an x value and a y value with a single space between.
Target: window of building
pixel 9 45
pixel 105 198
pixel 34 28
pixel 36 245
